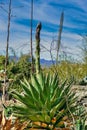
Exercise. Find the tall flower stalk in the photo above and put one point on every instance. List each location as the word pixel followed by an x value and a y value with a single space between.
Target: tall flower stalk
pixel 59 35
pixel 38 29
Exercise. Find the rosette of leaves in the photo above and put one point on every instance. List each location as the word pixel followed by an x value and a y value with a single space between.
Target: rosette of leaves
pixel 44 102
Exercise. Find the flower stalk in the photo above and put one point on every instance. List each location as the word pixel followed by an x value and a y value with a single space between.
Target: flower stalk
pixel 37 36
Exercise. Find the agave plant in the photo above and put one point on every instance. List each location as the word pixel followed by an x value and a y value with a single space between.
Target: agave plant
pixel 44 102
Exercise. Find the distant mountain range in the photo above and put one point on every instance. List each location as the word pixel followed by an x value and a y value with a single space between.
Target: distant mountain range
pixel 43 62
pixel 15 58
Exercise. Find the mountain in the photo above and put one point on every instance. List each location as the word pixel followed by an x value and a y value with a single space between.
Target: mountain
pixel 43 62
pixel 15 58
pixel 47 63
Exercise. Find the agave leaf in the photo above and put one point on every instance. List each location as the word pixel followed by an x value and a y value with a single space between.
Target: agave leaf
pixel 18 97
pixel 26 89
pixel 59 117
pixel 67 89
pixel 34 92
pixel 36 83
pixel 54 82
pixel 45 94
pixel 22 110
pixel 46 91
pixel 43 98
pixel 54 91
pixel 45 114
pixel 58 92
pixel 56 95
pixel 47 79
pixel 47 119
pixel 36 96
pixel 53 112
pixel 57 108
pixel 25 83
pixel 62 88
pixel 55 101
pixel 25 100
pixel 61 104
pixel 37 117
pixel 46 108
pixel 48 105
pixel 41 80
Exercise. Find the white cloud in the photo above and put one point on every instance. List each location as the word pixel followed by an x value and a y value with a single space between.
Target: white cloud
pixel 45 12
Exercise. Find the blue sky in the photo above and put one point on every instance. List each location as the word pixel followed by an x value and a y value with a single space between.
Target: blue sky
pixel 48 12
